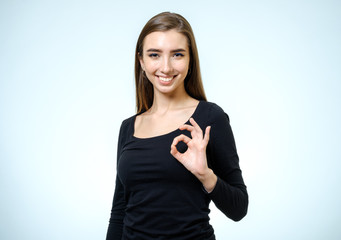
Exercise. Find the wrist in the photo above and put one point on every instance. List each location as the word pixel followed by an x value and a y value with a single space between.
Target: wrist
pixel 209 180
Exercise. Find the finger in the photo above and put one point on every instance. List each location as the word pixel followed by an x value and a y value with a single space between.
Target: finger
pixel 195 125
pixel 176 154
pixel 191 129
pixel 207 134
pixel 186 127
pixel 174 151
pixel 181 138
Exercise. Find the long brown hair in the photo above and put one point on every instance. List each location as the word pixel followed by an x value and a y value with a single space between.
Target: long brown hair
pixel 193 84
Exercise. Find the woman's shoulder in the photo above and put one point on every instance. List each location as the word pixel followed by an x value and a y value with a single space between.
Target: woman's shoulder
pixel 129 120
pixel 213 112
pixel 127 124
pixel 212 108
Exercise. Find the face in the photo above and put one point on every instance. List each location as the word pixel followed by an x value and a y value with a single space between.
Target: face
pixel 165 60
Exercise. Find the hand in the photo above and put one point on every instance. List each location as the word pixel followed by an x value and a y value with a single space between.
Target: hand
pixel 194 159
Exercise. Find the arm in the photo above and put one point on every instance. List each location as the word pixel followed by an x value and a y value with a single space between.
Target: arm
pixel 215 163
pixel 230 194
pixel 118 207
pixel 117 213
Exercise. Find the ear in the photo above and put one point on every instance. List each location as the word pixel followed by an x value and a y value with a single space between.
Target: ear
pixel 141 62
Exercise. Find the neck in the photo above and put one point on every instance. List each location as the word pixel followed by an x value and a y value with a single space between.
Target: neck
pixel 163 102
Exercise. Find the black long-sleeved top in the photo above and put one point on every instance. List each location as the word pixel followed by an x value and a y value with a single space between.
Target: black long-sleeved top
pixel 156 197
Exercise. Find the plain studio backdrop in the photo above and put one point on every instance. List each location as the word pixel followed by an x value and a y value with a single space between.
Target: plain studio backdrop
pixel 66 72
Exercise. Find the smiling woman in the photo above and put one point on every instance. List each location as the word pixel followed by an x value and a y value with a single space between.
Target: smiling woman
pixel 178 152
pixel 162 23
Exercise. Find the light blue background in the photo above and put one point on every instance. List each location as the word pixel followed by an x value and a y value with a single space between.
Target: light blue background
pixel 66 70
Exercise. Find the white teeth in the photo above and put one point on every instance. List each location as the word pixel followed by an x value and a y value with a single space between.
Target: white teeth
pixel 165 79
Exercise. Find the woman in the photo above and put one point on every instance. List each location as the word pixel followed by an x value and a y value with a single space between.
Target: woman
pixel 168 169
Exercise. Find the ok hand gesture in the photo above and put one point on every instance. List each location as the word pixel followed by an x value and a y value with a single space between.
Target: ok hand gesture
pixel 194 159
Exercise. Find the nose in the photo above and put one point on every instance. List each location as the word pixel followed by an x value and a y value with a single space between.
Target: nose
pixel 166 65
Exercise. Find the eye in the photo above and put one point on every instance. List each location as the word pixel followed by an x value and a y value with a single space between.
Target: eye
pixel 153 55
pixel 178 55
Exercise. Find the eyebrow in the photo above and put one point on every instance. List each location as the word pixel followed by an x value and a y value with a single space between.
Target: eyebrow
pixel 158 50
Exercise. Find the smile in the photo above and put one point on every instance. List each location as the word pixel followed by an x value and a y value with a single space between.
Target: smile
pixel 165 79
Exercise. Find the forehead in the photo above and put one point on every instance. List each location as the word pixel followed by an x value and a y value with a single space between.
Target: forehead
pixel 167 40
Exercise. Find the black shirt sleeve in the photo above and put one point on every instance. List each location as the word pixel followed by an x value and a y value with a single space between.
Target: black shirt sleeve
pixel 230 194
pixel 118 207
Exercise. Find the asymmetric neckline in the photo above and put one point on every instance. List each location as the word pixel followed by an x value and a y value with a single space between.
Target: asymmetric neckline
pixel 165 134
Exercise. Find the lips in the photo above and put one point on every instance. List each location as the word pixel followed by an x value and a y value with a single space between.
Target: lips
pixel 166 79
